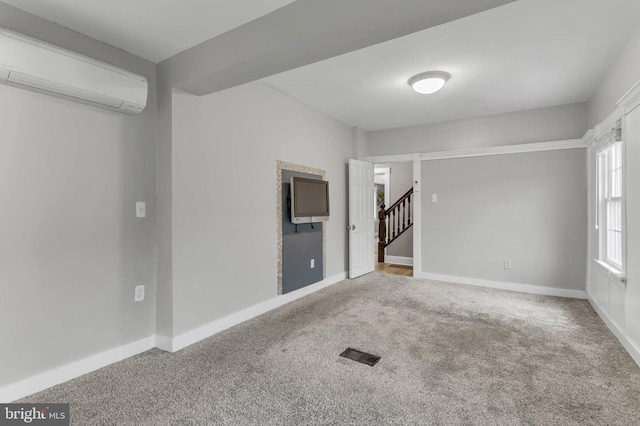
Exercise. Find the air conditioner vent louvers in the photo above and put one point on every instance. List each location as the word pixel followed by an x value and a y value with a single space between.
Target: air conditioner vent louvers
pixel 70 91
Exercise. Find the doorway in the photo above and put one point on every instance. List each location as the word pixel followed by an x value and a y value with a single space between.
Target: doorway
pixel 396 178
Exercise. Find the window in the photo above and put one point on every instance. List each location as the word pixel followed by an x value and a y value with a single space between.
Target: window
pixel 610 201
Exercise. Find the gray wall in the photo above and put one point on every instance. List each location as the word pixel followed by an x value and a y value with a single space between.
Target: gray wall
pixel 360 144
pixel 225 147
pixel 300 243
pixel 537 125
pixel 72 249
pixel 164 211
pixel 622 76
pixel 527 208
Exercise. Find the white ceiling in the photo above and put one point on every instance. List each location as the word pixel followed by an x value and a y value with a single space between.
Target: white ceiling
pixel 152 29
pixel 524 55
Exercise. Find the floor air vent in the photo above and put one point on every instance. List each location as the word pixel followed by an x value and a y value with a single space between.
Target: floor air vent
pixel 362 357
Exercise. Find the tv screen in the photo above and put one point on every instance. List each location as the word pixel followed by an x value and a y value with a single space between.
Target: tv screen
pixel 309 200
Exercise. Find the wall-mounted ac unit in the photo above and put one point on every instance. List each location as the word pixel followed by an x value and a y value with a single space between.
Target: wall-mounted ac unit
pixel 43 67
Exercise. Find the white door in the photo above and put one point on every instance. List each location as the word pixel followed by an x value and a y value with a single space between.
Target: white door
pixel 361 189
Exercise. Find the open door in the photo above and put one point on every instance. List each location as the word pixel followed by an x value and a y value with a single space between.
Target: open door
pixel 361 221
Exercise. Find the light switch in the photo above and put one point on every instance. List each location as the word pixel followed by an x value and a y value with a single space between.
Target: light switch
pixel 141 209
pixel 139 294
pixel 434 198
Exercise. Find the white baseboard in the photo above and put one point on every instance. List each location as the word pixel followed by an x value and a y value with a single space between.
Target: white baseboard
pixel 208 330
pixel 164 342
pixel 398 260
pixel 629 345
pixel 522 288
pixel 75 369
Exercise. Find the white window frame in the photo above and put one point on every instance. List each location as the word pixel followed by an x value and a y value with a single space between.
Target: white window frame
pixel 610 191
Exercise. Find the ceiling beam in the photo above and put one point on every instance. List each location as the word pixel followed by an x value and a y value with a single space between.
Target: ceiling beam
pixel 302 33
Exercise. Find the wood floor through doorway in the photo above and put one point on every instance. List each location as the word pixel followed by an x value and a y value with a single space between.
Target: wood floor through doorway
pixel 389 268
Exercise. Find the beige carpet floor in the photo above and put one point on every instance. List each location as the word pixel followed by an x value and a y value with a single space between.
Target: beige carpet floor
pixel 451 355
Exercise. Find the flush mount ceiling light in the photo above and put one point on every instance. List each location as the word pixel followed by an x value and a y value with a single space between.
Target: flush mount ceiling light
pixel 429 82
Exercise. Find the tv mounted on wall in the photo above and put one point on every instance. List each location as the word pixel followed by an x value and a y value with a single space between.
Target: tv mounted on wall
pixel 309 200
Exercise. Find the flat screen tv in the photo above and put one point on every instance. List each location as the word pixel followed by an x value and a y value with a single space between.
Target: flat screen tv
pixel 309 200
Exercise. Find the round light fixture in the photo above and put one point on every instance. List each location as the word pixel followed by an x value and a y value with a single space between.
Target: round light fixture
pixel 429 82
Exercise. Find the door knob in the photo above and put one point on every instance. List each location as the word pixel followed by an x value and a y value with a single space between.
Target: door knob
pixel 353 227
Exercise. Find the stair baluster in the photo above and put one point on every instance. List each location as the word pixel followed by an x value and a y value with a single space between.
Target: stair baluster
pixel 393 222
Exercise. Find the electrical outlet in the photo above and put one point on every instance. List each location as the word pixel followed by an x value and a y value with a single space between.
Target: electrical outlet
pixel 313 263
pixel 434 198
pixel 139 297
pixel 141 209
pixel 507 264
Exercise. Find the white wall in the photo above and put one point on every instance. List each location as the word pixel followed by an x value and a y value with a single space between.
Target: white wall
pixel 619 303
pixel 72 249
pixel 528 208
pixel 631 299
pixel 225 147
pixel 623 74
pixel 537 125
